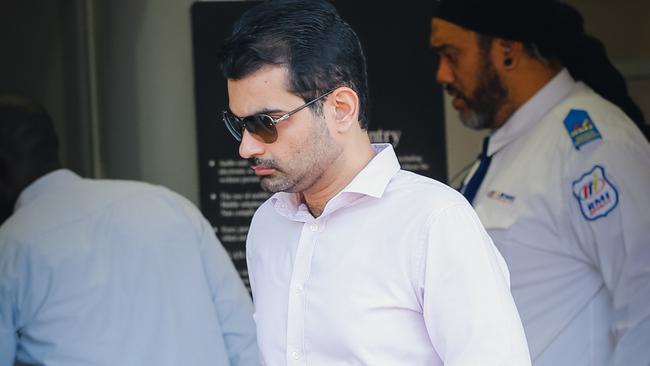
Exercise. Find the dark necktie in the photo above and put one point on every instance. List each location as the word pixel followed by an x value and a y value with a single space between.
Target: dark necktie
pixel 469 190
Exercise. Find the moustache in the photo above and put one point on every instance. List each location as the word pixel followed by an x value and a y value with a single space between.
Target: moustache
pixel 454 92
pixel 262 163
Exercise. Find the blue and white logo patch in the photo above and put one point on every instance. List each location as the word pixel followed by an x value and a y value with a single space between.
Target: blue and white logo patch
pixel 581 128
pixel 596 195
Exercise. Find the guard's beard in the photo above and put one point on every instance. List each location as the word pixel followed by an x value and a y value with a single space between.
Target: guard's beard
pixel 489 95
pixel 472 119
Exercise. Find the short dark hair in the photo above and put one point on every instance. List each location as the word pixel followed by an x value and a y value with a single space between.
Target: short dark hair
pixel 319 49
pixel 29 146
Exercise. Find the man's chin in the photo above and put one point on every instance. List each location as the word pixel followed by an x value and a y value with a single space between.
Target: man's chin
pixel 271 185
pixel 266 186
pixel 473 121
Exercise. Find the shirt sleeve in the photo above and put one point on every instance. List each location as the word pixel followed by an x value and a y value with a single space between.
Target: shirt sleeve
pixel 609 209
pixel 469 312
pixel 8 335
pixel 232 301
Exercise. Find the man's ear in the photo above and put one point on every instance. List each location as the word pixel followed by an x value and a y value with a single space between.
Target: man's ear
pixel 507 54
pixel 346 108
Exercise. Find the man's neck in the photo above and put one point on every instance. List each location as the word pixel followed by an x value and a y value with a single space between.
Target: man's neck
pixel 338 175
pixel 523 86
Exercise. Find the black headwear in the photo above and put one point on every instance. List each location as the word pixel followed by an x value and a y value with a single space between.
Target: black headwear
pixel 515 20
pixel 556 30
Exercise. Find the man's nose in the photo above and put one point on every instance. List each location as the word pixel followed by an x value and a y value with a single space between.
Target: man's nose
pixel 250 146
pixel 444 74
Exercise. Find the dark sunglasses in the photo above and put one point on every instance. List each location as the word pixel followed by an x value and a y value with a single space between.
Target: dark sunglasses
pixel 261 126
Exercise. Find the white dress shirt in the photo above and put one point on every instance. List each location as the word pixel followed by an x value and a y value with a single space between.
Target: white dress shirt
pixel 115 273
pixel 567 206
pixel 397 270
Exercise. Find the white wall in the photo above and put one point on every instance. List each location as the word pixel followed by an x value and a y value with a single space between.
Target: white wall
pixel 625 30
pixel 146 92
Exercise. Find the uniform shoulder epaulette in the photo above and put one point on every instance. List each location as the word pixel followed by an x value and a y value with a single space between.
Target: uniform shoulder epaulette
pixel 581 128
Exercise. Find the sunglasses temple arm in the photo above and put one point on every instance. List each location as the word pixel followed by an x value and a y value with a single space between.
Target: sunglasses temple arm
pixel 288 114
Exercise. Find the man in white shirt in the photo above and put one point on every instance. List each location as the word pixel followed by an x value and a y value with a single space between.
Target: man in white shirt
pixel 353 261
pixel 107 272
pixel 562 183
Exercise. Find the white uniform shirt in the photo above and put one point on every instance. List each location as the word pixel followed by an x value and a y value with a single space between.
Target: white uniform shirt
pixel 396 271
pixel 571 219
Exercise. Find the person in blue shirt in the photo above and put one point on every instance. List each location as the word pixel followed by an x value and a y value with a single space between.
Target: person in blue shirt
pixel 106 272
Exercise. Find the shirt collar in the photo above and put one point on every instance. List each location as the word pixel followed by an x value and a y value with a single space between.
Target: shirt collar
pixel 42 185
pixel 371 181
pixel 532 111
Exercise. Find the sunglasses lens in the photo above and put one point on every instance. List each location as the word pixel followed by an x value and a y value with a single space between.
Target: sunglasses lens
pixel 262 127
pixel 233 124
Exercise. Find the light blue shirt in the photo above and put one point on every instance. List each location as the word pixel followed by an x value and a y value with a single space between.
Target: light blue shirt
pixel 117 273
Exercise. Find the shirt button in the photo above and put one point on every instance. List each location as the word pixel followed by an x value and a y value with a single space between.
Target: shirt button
pixel 313 227
pixel 299 289
pixel 295 355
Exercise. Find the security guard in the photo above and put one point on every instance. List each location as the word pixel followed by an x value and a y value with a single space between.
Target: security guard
pixel 562 181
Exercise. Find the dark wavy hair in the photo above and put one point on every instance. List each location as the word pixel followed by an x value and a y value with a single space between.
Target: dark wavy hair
pixel 29 147
pixel 319 49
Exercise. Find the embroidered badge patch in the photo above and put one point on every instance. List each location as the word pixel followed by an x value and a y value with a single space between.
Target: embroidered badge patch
pixel 501 196
pixel 581 128
pixel 596 195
